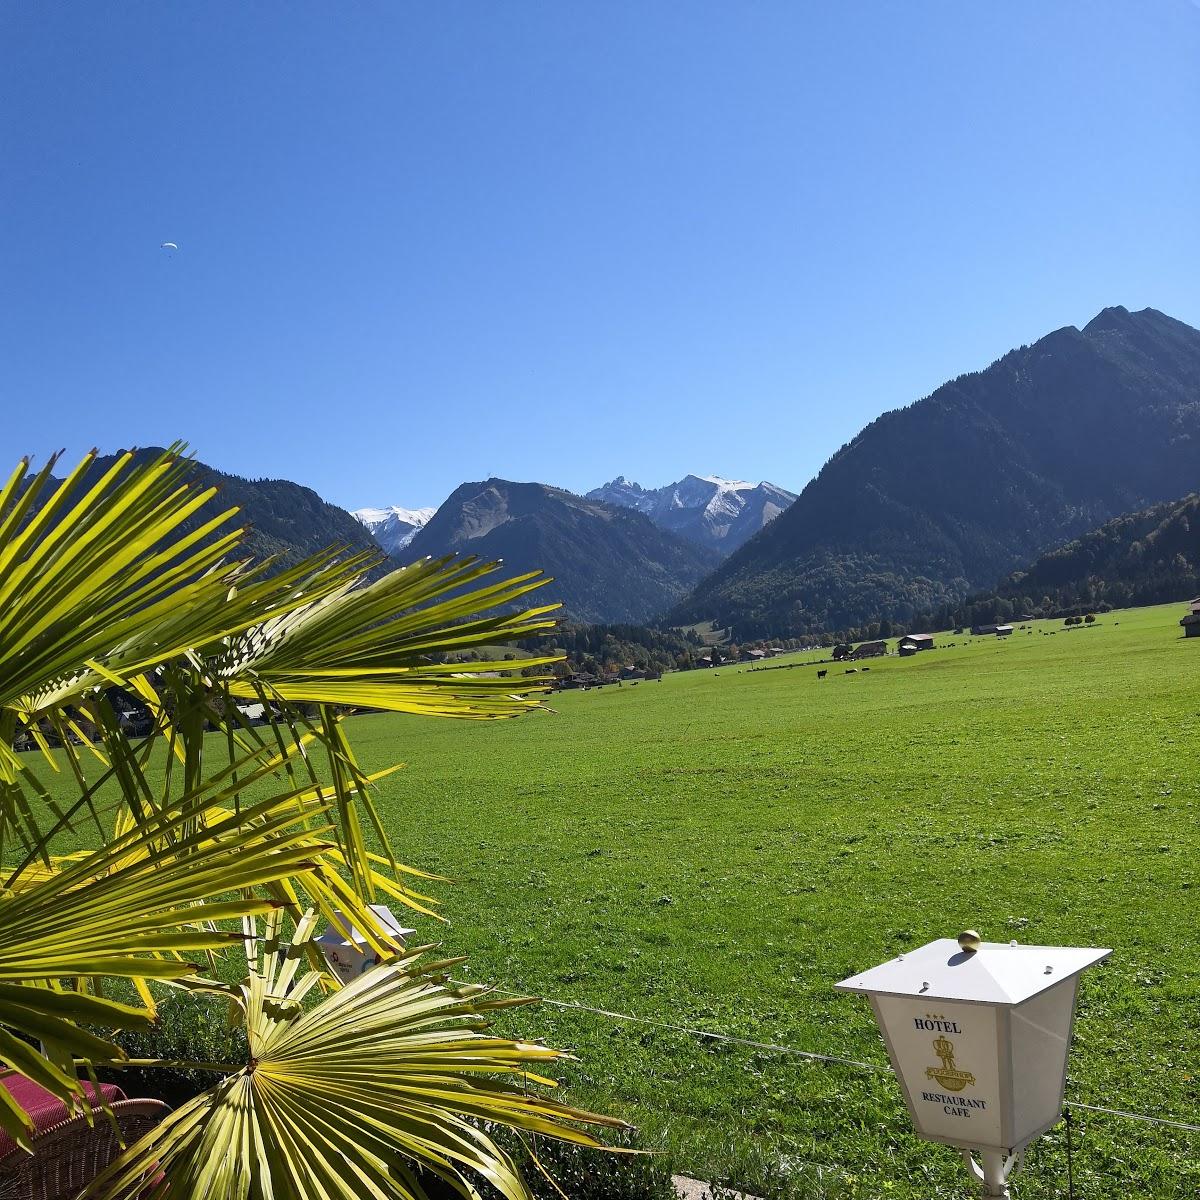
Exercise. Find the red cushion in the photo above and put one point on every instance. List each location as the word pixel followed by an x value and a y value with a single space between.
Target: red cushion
pixel 46 1109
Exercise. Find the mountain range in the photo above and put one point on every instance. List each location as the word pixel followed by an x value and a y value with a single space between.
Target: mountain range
pixel 933 501
pixel 1092 429
pixel 610 564
pixel 718 513
pixel 714 512
pixel 620 554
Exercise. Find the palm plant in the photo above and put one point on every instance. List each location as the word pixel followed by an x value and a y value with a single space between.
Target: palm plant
pixel 116 582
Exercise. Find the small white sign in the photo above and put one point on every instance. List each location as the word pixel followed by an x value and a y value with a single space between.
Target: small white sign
pixel 351 956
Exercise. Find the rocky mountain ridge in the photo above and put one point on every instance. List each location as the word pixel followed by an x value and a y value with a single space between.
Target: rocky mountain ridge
pixel 712 511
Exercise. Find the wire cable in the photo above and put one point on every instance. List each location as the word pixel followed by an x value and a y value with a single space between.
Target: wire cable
pixel 1168 1122
pixel 706 1033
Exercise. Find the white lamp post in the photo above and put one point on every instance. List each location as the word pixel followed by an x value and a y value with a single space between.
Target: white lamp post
pixel 978 1034
pixel 350 957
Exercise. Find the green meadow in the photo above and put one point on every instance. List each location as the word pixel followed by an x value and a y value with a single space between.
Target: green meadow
pixel 715 851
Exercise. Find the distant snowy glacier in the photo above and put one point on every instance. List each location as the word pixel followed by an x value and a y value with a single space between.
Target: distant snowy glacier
pixel 393 528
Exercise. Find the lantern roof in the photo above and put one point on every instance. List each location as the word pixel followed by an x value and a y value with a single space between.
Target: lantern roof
pixel 996 973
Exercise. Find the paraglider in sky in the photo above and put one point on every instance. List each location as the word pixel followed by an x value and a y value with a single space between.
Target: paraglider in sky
pixel 169 246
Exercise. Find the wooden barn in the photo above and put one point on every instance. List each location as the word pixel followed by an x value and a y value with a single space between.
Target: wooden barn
pixel 869 650
pixel 1191 623
pixel 910 643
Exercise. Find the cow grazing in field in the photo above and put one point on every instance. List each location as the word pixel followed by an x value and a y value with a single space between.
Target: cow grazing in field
pixel 851 671
pixel 866 668
pixel 822 674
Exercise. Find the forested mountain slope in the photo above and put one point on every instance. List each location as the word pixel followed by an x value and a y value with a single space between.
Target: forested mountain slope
pixel 284 518
pixel 1147 557
pixel 931 502
pixel 287 518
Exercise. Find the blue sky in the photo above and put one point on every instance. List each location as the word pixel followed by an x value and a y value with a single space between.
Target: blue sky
pixel 561 241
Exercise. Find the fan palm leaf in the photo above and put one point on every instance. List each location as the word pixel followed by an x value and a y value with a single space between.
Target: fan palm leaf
pixel 108 589
pixel 377 645
pixel 356 1095
pixel 106 575
pixel 129 911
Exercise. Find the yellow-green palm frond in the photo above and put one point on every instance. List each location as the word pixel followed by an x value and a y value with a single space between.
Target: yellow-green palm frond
pixel 110 571
pixel 330 877
pixel 118 578
pixel 92 562
pixel 352 1096
pixel 348 875
pixel 123 567
pixel 385 645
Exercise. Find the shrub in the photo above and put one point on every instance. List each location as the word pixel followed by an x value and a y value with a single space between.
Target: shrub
pixel 189 1028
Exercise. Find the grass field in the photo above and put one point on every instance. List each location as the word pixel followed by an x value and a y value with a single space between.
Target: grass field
pixel 718 849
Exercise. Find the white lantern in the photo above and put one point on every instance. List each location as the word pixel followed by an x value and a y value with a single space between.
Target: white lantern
pixel 978 1034
pixel 350 957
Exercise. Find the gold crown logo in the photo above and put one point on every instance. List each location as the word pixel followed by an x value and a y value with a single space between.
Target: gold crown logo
pixel 948 1075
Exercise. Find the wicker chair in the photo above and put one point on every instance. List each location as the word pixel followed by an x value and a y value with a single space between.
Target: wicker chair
pixel 69 1155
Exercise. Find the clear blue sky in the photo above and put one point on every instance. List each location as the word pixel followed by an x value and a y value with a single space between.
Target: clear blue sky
pixel 423 243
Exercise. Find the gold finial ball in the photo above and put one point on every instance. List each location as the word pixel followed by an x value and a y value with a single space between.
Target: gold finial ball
pixel 969 941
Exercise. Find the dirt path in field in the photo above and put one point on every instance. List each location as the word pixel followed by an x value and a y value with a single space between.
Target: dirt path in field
pixel 693 1189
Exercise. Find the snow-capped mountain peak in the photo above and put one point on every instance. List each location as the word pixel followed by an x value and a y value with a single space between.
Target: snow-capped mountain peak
pixel 709 509
pixel 393 527
pixel 733 485
pixel 413 516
